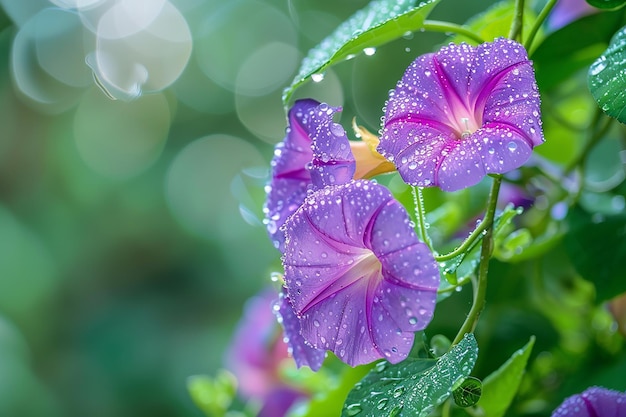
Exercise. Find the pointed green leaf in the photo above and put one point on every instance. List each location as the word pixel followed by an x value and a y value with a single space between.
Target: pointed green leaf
pixel 413 387
pixel 381 21
pixel 606 78
pixel 500 387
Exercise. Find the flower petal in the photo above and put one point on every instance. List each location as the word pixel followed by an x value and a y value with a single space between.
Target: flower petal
pixel 290 178
pixel 595 401
pixel 358 277
pixel 333 162
pixel 303 353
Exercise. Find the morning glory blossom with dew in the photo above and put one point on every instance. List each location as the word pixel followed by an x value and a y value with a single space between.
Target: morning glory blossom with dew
pixel 461 113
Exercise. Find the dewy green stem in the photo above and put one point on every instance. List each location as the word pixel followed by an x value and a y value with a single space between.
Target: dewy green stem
pixel 447 27
pixel 480 289
pixel 538 22
pixel 518 21
pixel 465 245
pixel 420 214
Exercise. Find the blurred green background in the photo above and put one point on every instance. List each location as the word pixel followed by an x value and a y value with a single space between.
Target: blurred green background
pixel 130 230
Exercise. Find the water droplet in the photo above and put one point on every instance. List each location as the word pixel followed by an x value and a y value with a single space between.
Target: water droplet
pixel 317 77
pixel 382 403
pixel 398 391
pixel 369 51
pixel 354 409
pixel 380 366
pixel 512 146
pixel 598 66
pixel 395 411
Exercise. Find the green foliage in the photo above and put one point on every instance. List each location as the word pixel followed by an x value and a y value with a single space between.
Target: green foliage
pixel 600 262
pixel 378 23
pixel 573 47
pixel 334 394
pixel 213 395
pixel 413 387
pixel 500 387
pixel 607 4
pixel 495 22
pixel 606 80
pixel 459 269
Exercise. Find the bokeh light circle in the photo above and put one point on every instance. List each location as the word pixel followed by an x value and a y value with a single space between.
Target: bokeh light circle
pixel 59 47
pixel 120 140
pixel 141 46
pixel 198 185
pixel 30 78
pixel 267 69
pixel 223 45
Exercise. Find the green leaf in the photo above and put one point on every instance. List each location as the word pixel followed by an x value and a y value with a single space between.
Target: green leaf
pixel 333 397
pixel 607 4
pixel 500 387
pixel 381 21
pixel 595 246
pixel 606 78
pixel 413 387
pixel 573 47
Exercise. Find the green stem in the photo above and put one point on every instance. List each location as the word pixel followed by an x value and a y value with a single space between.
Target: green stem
pixel 480 289
pixel 518 21
pixel 420 214
pixel 465 245
pixel 454 288
pixel 447 27
pixel 540 19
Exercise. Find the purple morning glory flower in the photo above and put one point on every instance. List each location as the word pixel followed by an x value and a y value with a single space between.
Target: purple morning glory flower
pixel 461 113
pixel 593 402
pixel 359 280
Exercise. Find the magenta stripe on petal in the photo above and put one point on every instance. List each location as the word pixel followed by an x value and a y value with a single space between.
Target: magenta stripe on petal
pixel 357 276
pixel 461 113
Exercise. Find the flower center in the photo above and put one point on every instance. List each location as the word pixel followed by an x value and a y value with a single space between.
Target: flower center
pixel 366 266
pixel 464 126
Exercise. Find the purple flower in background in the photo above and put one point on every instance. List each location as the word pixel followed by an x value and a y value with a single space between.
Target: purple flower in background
pixel 257 348
pixel 593 402
pixel 461 113
pixel 566 11
pixel 359 281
